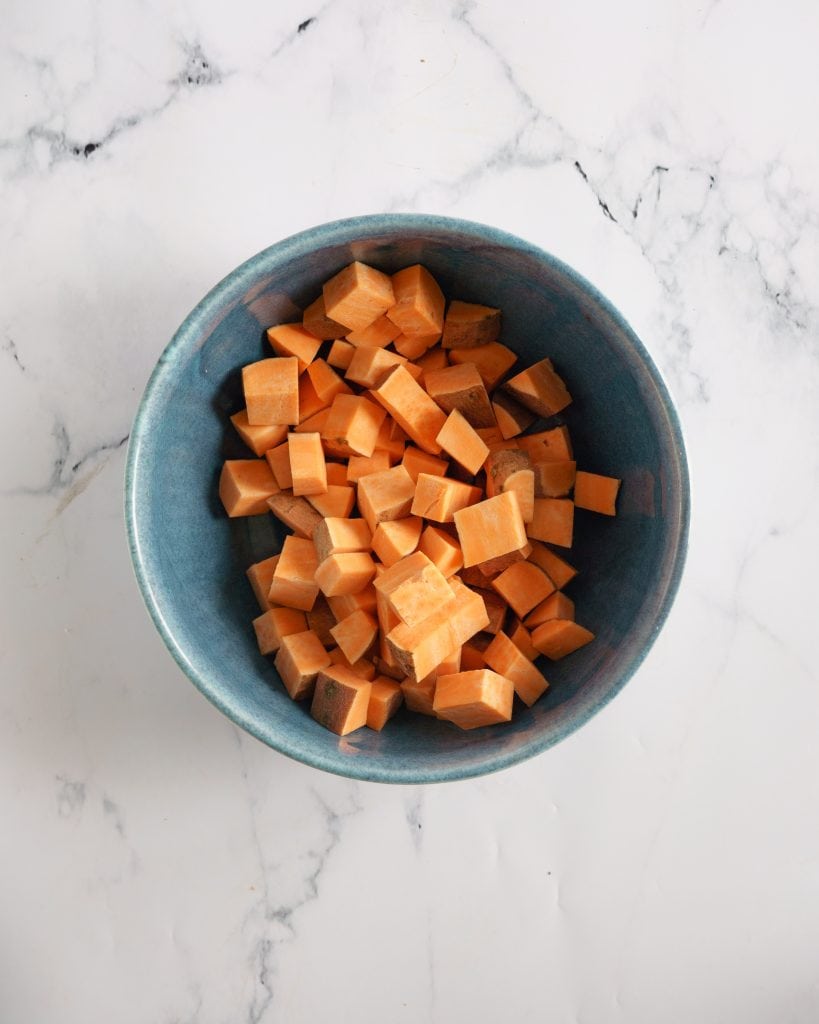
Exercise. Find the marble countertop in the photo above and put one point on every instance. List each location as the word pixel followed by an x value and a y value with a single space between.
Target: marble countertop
pixel 660 865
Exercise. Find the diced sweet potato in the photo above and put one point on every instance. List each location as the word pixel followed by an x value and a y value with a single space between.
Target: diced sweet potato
pixel 553 521
pixel 363 668
pixel 258 439
pixel 523 586
pixel 340 700
pixel 300 659
pixel 474 699
pixel 596 493
pixel 245 485
pixel 369 366
pixel 493 567
pixel 310 404
pixel 344 573
pixel 313 423
pixel 468 324
pixel 294 584
pixel 384 496
pixel 554 479
pixel 260 576
pixel 432 359
pixel 458 439
pixel 316 321
pixel 522 639
pixel 440 498
pixel 555 606
pixel 558 637
pixel 357 296
pixel 297 513
pixel 294 340
pixel 504 657
pixel 461 387
pixel 271 388
pixel 511 470
pixel 414 589
pixel 307 466
pixel 337 501
pixel 377 335
pixel 321 620
pixel 496 608
pixel 512 417
pixel 397 538
pixel 556 568
pixel 352 426
pixel 343 605
pixel 278 459
pixel 490 528
pixel 419 303
pixel 554 444
pixel 385 700
pixel 415 461
pixel 419 696
pixel 360 466
pixel 355 634
pixel 274 624
pixel 412 408
pixel 540 389
pixel 493 361
pixel 337 473
pixel 441 549
pixel 336 536
pixel 341 354
pixel 326 382
pixel 415 346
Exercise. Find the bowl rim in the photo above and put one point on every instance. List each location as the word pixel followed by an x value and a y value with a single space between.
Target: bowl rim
pixel 232 286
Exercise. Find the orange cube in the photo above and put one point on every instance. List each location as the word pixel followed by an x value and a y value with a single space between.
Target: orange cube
pixel 245 485
pixel 355 634
pixel 360 466
pixel 294 583
pixel 419 302
pixel 344 573
pixel 395 539
pixel 474 699
pixel 294 340
pixel 307 467
pixel 260 576
pixel 341 354
pixel 316 321
pixel 554 479
pixel 441 549
pixel 412 408
pixel 340 700
pixel 385 700
pixel 490 528
pixel 492 360
pixel 555 606
pixel 596 493
pixel 352 426
pixel 556 568
pixel 385 496
pixel 553 521
pixel 377 335
pixel 275 624
pixel 369 366
pixel 336 536
pixel 415 461
pixel 271 388
pixel 258 439
pixel 504 657
pixel 540 389
pixel 557 638
pixel 523 586
pixel 357 296
pixel 458 439
pixel 440 498
pixel 278 459
pixel 300 659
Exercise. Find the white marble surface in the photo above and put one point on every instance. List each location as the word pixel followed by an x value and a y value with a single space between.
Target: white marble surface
pixel 660 865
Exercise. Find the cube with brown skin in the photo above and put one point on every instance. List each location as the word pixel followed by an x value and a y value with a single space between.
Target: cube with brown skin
pixel 294 584
pixel 260 576
pixel 334 536
pixel 474 699
pixel 297 513
pixel 540 389
pixel 596 493
pixel 523 586
pixel 294 340
pixel 419 302
pixel 275 624
pixel 300 659
pixel 245 485
pixel 357 296
pixel 512 417
pixel 493 567
pixel 554 479
pixel 511 470
pixel 321 620
pixel 271 388
pixel 504 657
pixel 558 637
pixel 385 700
pixel 258 439
pixel 496 608
pixel 316 321
pixel 461 388
pixel 553 521
pixel 340 700
pixel 468 324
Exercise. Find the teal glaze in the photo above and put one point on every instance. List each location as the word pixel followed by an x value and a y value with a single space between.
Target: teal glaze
pixel 190 559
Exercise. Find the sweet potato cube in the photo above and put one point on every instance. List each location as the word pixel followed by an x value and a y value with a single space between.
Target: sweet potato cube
pixel 336 536
pixel 363 668
pixel 352 426
pixel 294 584
pixel 522 639
pixel 271 388
pixel 493 567
pixel 340 700
pixel 313 423
pixel 474 699
pixel 461 388
pixel 556 568
pixel 316 321
pixel 343 605
pixel 555 606
pixel 385 700
pixel 357 296
pixel 369 366
pixel 337 501
pixel 412 408
pixel 512 417
pixel 378 334
pixel 496 608
pixel 419 695
pixel 440 498
pixel 420 649
pixel 397 538
pixel 419 302
pixel 432 359
pixel 360 465
pixel 274 624
pixel 468 324
pixel 294 340
pixel 472 656
pixel 559 637
pixel 297 513
pixel 260 438
pixel 540 389
pixel 490 528
pixel 310 404
pixel 415 461
pixel 278 459
pixel 355 634
pixel 345 573
pixel 260 576
pixel 492 361
pixel 596 493
pixel 458 439
pixel 441 549
pixel 554 479
pixel 326 382
pixel 386 495
pixel 321 620
pixel 414 596
pixel 414 346
pixel 307 467
pixel 245 485
pixel 503 657
pixel 523 586
pixel 300 659
pixel 337 473
pixel 554 445
pixel 523 484
pixel 553 521
pixel 341 354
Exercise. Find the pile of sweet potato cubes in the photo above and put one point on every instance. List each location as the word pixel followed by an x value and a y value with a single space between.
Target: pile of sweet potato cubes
pixel 418 569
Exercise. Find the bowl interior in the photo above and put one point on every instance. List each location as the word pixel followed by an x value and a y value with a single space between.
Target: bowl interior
pixel 190 559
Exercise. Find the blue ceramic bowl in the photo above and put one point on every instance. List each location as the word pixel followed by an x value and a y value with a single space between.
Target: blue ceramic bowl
pixel 190 558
